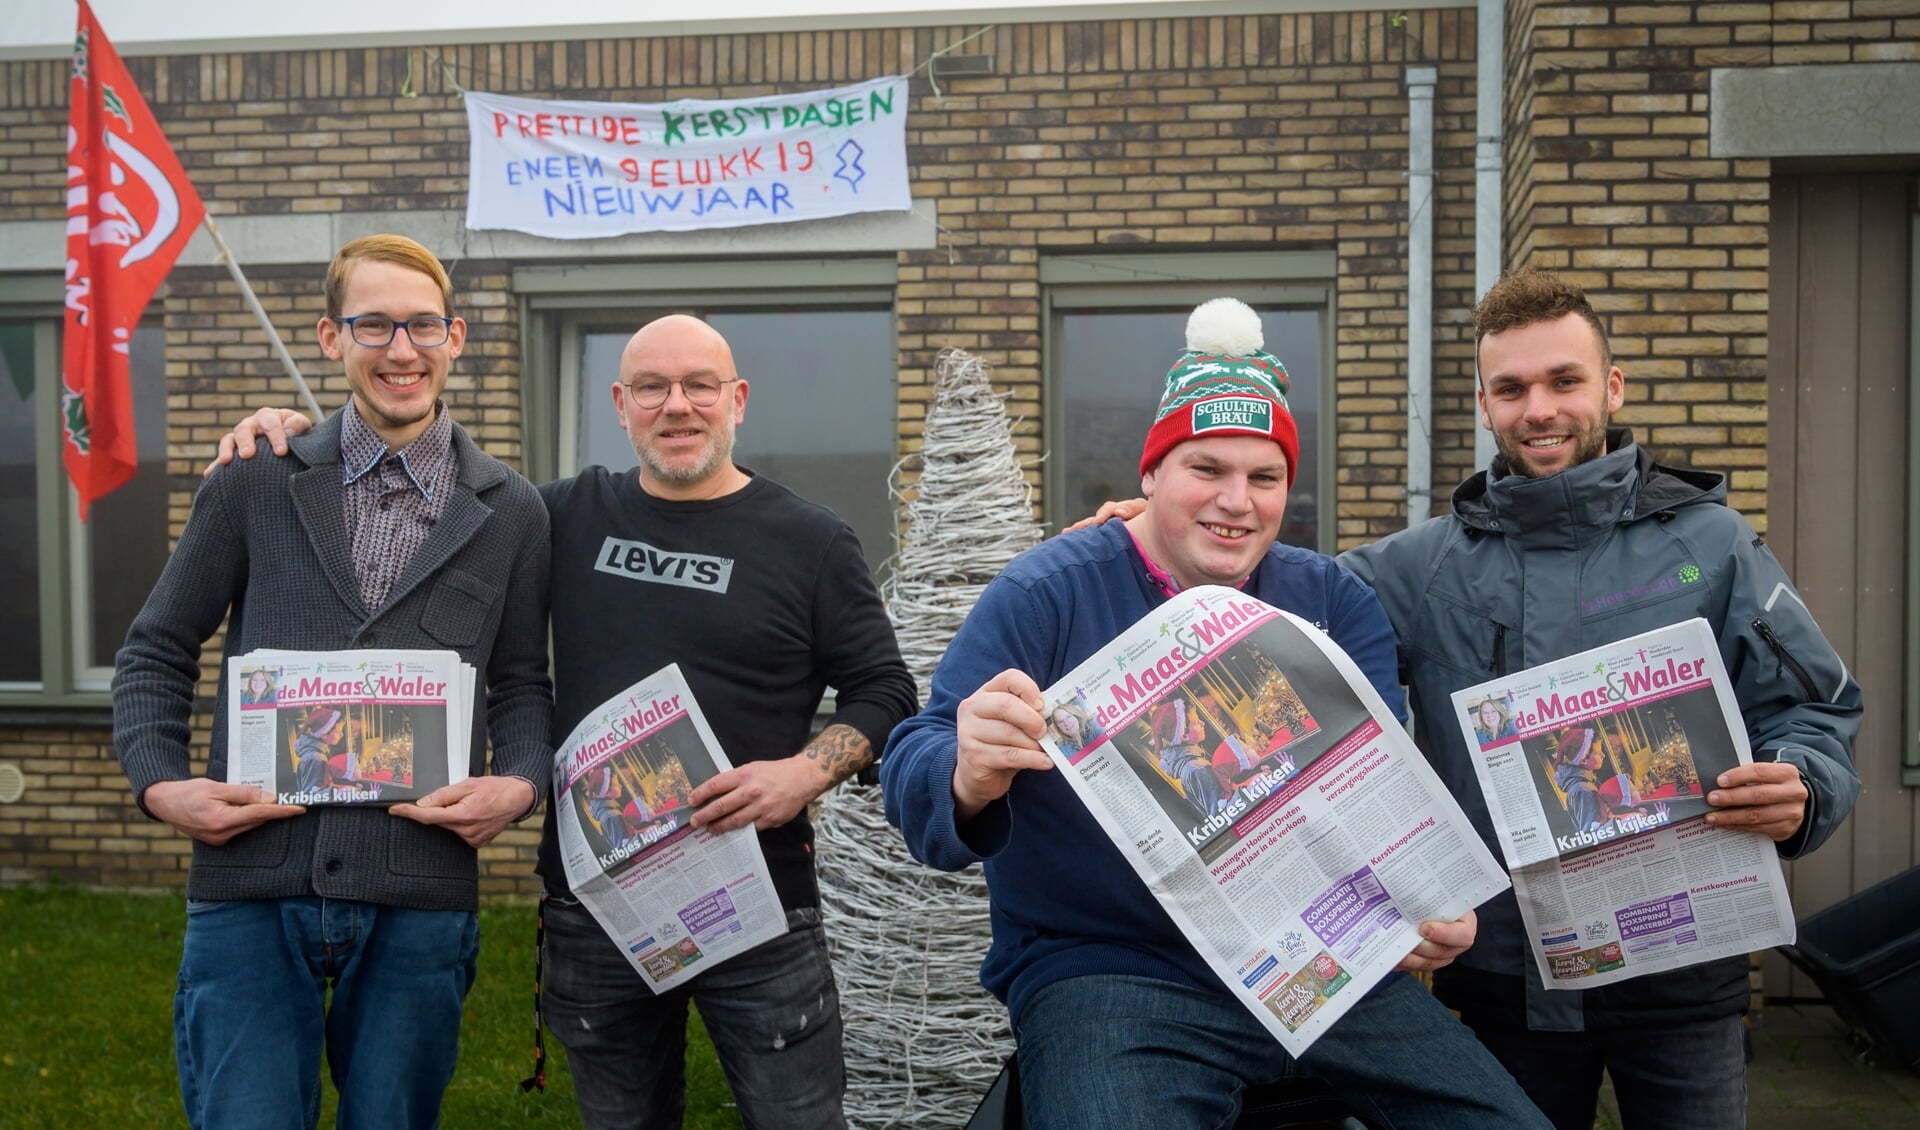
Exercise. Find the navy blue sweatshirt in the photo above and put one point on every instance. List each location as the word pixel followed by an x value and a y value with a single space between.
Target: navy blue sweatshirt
pixel 1065 902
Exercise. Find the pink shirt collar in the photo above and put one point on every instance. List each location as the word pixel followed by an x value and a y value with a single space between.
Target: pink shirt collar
pixel 1162 579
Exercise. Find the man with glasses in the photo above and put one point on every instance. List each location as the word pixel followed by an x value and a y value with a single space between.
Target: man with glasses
pixel 764 600
pixel 385 527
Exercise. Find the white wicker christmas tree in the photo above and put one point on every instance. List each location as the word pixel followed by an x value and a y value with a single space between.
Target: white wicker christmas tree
pixel 924 1040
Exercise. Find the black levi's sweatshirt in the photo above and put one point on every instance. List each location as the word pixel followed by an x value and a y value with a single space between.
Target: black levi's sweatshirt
pixel 761 597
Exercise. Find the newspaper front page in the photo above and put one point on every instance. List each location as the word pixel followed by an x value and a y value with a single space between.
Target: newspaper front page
pixel 679 900
pixel 1270 801
pixel 348 727
pixel 1596 769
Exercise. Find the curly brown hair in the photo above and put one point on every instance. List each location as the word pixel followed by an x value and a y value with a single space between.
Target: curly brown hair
pixel 1530 295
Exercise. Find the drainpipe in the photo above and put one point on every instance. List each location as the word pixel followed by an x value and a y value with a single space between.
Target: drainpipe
pixel 1488 127
pixel 1420 82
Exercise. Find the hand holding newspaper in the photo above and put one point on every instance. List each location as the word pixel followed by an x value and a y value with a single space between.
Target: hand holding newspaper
pixel 348 727
pixel 1271 802
pixel 1595 768
pixel 677 899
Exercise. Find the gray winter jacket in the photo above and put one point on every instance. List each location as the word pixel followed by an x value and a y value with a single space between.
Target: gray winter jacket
pixel 1525 571
pixel 268 539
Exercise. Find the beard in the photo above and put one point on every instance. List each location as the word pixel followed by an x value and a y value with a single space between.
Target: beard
pixel 719 454
pixel 1589 443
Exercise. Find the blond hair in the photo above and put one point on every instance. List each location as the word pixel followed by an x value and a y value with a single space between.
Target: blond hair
pixel 395 249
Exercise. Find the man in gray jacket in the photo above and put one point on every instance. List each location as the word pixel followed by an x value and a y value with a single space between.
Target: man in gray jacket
pixel 385 527
pixel 1575 538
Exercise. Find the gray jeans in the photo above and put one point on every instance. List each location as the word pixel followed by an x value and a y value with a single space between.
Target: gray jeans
pixel 773 1015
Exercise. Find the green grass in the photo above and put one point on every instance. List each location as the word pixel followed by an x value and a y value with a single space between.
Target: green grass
pixel 86 1034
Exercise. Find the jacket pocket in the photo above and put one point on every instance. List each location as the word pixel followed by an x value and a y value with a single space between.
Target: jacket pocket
pixel 423 852
pixel 458 609
pixel 1787 661
pixel 1467 640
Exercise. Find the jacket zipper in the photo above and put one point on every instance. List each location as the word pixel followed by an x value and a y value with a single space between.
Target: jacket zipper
pixel 1499 664
pixel 1786 659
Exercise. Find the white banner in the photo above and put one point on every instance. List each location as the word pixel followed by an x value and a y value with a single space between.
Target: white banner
pixel 588 170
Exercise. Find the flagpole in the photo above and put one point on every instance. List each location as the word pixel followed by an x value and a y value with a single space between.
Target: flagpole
pixel 273 335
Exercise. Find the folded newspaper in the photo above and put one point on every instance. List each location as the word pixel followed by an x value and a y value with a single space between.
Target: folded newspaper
pixel 677 899
pixel 1610 743
pixel 1262 790
pixel 348 727
pixel 1595 768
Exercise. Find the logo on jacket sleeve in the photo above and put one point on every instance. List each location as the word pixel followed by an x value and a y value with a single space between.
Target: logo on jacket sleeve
pixel 638 561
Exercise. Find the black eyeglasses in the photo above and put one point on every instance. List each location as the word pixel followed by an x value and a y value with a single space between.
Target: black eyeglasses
pixel 701 392
pixel 375 331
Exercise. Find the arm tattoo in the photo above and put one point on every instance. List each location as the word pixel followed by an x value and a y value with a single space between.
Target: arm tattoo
pixel 841 751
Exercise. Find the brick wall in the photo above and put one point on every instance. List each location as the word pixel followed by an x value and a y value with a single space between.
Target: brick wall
pixel 1617 189
pixel 1244 133
pixel 1235 134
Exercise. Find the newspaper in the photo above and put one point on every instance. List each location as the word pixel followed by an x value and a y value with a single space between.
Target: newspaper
pixel 348 727
pixel 1678 896
pixel 1595 768
pixel 1607 744
pixel 1262 790
pixel 678 899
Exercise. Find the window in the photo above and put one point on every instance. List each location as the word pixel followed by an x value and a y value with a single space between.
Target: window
pixel 68 590
pixel 1116 324
pixel 816 345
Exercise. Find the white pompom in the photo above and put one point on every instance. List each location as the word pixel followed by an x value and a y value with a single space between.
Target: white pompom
pixel 1224 327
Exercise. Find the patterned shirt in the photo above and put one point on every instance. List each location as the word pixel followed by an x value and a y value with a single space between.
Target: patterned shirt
pixel 392 498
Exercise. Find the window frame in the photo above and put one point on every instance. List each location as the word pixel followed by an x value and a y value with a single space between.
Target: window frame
pixel 558 302
pixel 1910 692
pixel 64 550
pixel 1265 280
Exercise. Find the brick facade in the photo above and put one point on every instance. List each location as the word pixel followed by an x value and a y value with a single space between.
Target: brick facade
pixel 1617 189
pixel 1243 133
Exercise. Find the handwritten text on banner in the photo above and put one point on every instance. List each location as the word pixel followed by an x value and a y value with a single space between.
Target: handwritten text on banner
pixel 584 170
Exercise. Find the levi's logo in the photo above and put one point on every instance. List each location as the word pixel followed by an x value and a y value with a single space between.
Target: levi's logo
pixel 1247 413
pixel 641 562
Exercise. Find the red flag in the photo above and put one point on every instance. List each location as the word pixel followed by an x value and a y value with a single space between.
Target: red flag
pixel 130 212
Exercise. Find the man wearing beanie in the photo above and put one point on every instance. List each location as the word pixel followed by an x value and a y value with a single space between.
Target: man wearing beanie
pixel 1572 538
pixel 1119 1020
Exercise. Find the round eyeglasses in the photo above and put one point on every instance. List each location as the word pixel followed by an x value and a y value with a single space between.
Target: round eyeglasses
pixel 375 331
pixel 701 392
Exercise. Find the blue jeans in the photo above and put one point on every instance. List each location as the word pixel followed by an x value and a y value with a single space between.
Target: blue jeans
pixel 773 1015
pixel 1136 1053
pixel 251 1013
pixel 1692 1075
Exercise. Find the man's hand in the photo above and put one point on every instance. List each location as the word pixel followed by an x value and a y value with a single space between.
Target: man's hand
pixel 1766 796
pixel 271 424
pixel 476 809
pixel 764 794
pixel 999 727
pixel 211 811
pixel 1123 510
pixel 1440 943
